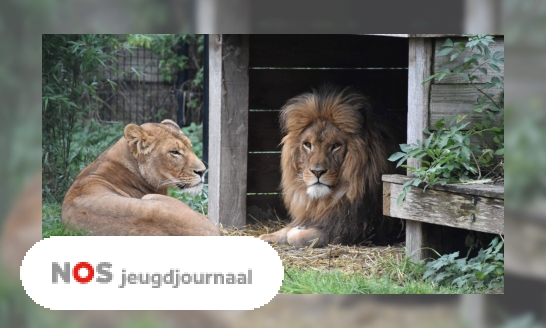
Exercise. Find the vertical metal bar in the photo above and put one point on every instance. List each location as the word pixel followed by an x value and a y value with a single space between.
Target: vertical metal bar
pixel 182 77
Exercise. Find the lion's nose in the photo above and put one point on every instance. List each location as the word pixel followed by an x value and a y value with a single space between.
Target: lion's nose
pixel 318 173
pixel 199 172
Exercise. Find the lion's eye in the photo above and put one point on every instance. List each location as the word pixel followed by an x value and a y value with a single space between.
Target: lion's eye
pixel 175 152
pixel 336 146
pixel 307 144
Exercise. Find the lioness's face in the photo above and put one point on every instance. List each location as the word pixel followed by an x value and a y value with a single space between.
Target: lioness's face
pixel 166 158
pixel 322 152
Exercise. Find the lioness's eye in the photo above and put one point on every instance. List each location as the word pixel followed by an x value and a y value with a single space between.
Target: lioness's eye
pixel 336 146
pixel 307 144
pixel 175 152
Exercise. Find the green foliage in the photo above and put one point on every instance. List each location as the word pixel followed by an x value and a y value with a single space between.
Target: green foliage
pixel 198 203
pixel 486 270
pixel 195 133
pixel 447 155
pixel 71 73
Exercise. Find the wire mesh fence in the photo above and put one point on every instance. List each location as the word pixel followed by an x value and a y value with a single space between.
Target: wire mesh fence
pixel 133 91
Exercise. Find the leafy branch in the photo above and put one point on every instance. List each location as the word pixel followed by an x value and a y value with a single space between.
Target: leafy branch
pixel 448 155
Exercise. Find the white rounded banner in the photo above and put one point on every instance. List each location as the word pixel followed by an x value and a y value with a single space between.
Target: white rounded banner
pixel 152 273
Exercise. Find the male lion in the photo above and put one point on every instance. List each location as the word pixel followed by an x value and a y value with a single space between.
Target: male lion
pixel 123 192
pixel 333 155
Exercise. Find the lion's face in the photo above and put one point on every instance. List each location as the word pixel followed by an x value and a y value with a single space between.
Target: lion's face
pixel 165 156
pixel 322 149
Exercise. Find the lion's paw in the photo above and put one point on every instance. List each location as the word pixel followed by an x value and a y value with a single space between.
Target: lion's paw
pixel 268 238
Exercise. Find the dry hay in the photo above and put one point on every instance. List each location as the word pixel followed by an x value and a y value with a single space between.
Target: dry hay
pixel 368 259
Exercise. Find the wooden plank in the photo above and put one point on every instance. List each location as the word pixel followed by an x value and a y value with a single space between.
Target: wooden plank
pixel 420 67
pixel 447 100
pixel 264 131
pixel 228 128
pixel 331 51
pixel 443 62
pixel 264 173
pixel 484 190
pixel 386 198
pixel 270 89
pixel 263 208
pixel 449 209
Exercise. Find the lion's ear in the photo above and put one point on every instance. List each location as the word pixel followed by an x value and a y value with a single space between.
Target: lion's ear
pixel 139 141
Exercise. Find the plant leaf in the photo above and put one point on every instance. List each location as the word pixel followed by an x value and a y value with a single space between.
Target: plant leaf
pixel 396 156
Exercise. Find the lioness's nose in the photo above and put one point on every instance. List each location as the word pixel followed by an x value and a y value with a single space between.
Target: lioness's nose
pixel 318 173
pixel 199 172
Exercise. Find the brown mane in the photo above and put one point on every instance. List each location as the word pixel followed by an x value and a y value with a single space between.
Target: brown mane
pixel 349 214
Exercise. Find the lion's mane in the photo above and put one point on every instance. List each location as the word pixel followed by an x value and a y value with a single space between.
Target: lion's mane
pixel 349 217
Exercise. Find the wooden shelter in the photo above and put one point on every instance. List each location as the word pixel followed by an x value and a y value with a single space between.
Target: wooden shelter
pixel 252 76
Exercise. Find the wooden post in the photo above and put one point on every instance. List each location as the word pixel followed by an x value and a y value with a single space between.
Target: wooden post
pixel 228 128
pixel 421 53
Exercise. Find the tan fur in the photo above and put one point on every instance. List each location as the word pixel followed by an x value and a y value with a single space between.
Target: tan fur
pixel 123 192
pixel 333 133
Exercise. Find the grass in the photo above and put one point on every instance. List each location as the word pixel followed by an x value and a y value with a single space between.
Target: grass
pixel 391 275
pixel 52 224
pixel 335 282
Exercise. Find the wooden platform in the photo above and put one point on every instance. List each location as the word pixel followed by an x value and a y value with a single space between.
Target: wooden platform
pixel 475 207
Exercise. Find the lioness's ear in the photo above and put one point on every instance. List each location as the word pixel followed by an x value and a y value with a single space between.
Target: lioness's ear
pixel 172 124
pixel 137 138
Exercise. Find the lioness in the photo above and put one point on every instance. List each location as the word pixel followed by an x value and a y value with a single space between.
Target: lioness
pixel 123 192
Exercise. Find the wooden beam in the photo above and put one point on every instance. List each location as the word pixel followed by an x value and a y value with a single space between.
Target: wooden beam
pixel 228 128
pixel 472 189
pixel 421 52
pixel 448 100
pixel 449 209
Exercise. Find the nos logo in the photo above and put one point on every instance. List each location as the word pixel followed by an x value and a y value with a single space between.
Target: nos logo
pixel 83 272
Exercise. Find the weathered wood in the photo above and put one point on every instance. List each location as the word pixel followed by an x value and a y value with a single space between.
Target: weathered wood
pixel 305 50
pixel 420 67
pixel 386 199
pixel 271 88
pixel 264 131
pixel 264 172
pixel 443 62
pixel 448 209
pixel 476 189
pixel 228 126
pixel 447 100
